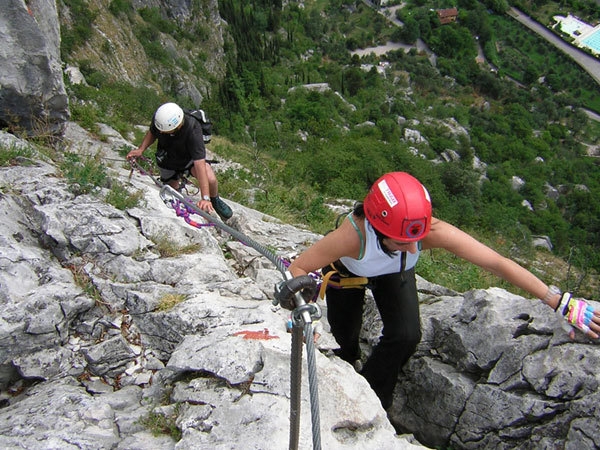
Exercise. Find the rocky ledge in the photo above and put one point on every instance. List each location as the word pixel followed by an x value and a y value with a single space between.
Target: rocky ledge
pixel 103 342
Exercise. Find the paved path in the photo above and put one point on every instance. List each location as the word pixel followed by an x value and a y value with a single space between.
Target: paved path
pixel 390 14
pixel 589 63
pixel 592 115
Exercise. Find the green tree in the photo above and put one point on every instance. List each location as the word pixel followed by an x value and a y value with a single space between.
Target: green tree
pixel 453 42
pixel 530 74
pixel 498 6
pixel 353 80
pixel 410 32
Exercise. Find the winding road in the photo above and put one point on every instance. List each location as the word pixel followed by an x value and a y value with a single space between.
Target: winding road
pixel 589 63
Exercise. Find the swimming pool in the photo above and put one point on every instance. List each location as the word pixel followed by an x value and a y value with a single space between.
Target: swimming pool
pixel 593 41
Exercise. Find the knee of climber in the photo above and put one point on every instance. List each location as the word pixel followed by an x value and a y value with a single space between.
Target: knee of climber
pixel 401 337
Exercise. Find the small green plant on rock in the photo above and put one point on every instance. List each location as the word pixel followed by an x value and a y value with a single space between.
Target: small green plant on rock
pixel 84 281
pixel 163 423
pixel 121 198
pixel 167 247
pixel 13 155
pixel 84 173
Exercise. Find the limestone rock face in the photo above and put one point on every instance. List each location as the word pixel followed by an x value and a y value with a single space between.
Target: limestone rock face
pixel 101 335
pixel 114 48
pixel 495 370
pixel 32 93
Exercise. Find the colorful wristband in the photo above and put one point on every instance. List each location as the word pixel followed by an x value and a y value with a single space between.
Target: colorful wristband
pixel 562 304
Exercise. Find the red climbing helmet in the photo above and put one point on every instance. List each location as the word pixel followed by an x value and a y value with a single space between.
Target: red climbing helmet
pixel 399 207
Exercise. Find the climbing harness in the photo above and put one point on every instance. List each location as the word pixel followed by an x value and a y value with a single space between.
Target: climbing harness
pixel 333 277
pixel 336 275
pixel 302 316
pixel 182 176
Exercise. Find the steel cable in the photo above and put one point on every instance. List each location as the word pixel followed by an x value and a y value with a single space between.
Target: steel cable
pixel 302 314
pixel 295 386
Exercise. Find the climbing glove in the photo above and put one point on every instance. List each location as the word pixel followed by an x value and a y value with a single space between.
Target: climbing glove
pixel 576 311
pixel 286 290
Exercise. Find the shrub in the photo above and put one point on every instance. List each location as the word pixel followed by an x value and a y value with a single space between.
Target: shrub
pixel 84 173
pixel 13 154
pixel 120 197
pixel 159 423
pixel 83 17
pixel 117 7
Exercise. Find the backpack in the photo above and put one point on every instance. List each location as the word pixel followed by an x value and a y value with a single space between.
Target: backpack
pixel 204 122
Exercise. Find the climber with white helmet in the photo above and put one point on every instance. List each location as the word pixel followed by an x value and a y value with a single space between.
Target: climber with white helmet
pixel 181 149
pixel 380 242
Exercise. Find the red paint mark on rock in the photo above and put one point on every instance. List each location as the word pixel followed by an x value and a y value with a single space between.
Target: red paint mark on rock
pixel 259 335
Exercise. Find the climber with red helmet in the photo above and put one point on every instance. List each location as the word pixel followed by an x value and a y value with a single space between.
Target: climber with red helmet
pixel 180 149
pixel 381 241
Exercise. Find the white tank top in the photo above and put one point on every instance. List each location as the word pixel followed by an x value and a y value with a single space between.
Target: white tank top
pixel 375 262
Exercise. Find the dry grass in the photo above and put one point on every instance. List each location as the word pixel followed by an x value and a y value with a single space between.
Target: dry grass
pixel 169 301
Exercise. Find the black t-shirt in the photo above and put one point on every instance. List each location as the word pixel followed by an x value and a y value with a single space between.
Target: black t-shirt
pixel 175 151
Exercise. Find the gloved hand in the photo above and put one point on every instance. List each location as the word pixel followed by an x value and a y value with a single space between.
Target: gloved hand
pixel 286 290
pixel 576 311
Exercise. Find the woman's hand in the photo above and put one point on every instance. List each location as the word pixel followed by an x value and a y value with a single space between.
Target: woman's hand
pixel 579 314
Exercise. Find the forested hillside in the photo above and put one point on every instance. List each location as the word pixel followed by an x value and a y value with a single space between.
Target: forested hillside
pixel 462 128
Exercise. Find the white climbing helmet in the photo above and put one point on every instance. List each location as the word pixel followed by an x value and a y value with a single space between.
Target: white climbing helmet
pixel 168 117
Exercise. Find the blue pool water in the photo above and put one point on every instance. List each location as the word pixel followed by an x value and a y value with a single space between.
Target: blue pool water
pixel 593 41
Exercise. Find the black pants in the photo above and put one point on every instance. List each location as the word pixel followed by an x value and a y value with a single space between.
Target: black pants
pixel 398 305
pixel 167 175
